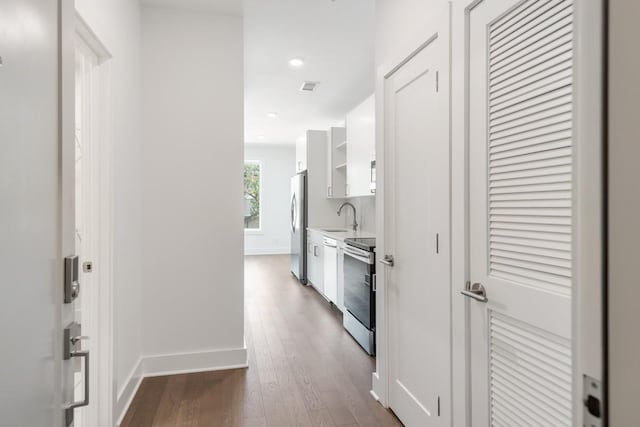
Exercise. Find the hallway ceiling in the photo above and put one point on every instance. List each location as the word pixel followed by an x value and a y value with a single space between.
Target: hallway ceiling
pixel 335 39
pixel 231 7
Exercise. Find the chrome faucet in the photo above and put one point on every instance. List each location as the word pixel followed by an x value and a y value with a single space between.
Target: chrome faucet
pixel 355 223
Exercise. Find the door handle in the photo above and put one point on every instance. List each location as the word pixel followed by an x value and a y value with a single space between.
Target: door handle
pixel 387 260
pixel 476 292
pixel 72 339
pixel 293 213
pixel 84 402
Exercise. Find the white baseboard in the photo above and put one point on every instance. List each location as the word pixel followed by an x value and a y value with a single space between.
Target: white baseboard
pixel 174 364
pixel 184 363
pixel 267 251
pixel 128 392
pixel 376 389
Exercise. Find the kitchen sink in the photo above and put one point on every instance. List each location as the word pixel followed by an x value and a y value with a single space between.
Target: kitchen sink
pixel 334 230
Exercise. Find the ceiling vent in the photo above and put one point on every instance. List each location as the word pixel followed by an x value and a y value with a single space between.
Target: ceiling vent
pixel 309 86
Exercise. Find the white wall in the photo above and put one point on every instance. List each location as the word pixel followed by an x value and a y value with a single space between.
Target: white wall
pixel 278 166
pixel 402 21
pixel 193 315
pixel 117 25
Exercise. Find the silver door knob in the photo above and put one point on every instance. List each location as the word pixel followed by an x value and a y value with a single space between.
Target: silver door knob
pixel 476 292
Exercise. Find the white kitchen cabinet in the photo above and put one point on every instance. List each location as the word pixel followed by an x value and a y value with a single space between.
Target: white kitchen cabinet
pixel 361 148
pixel 315 266
pixel 340 300
pixel 330 273
pixel 337 163
pixel 301 155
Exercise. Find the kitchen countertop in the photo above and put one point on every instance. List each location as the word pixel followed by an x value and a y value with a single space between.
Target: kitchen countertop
pixel 340 235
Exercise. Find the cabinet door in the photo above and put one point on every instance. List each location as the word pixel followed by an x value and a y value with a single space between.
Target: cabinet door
pixel 301 155
pixel 360 148
pixel 340 278
pixel 311 265
pixel 331 273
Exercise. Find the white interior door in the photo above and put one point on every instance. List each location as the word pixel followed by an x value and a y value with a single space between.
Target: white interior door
pixel 520 149
pixel 417 235
pixel 30 215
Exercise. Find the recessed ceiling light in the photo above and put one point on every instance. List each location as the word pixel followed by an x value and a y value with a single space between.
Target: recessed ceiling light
pixel 296 62
pixel 272 115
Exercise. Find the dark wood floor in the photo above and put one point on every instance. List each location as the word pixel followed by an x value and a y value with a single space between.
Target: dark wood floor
pixel 304 368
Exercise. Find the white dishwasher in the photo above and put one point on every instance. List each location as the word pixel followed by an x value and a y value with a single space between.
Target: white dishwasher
pixel 330 256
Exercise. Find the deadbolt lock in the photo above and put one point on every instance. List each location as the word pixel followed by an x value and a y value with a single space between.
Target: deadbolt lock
pixel 71 283
pixel 87 267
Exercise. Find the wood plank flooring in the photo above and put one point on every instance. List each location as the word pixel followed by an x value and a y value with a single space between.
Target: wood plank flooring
pixel 304 368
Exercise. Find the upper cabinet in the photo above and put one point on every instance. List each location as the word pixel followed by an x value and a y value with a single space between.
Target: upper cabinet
pixel 337 163
pixel 301 155
pixel 361 149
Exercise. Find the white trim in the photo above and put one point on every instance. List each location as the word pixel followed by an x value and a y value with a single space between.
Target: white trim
pixel 461 394
pixel 176 364
pixel 183 363
pixel 588 178
pixel 104 408
pixel 128 392
pixel 268 251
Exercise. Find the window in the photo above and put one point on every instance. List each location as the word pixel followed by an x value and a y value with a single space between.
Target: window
pixel 252 194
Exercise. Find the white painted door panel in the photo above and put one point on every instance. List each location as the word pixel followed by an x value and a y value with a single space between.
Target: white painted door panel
pixel 30 215
pixel 520 130
pixel 330 264
pixel 416 233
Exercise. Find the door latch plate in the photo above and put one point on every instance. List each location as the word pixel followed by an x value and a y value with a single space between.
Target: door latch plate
pixel 592 400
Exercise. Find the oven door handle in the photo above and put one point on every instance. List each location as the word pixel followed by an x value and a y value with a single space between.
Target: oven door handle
pixel 357 256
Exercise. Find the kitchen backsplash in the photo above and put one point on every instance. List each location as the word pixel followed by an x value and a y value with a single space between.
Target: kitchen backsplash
pixel 366 211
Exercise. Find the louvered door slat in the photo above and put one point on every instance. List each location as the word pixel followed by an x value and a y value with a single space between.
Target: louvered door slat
pixel 530 373
pixel 534 148
pixel 516 17
pixel 550 21
pixel 528 117
pixel 551 384
pixel 544 175
pixel 548 99
pixel 541 40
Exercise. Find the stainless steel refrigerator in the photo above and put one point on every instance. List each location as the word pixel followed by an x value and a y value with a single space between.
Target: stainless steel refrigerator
pixel 299 226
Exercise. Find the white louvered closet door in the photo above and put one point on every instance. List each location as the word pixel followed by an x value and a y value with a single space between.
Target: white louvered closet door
pixel 520 130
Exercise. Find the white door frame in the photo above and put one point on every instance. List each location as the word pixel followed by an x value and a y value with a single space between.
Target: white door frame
pixel 103 404
pixel 588 201
pixel 414 45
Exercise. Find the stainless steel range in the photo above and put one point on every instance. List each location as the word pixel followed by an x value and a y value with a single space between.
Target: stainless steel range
pixel 359 291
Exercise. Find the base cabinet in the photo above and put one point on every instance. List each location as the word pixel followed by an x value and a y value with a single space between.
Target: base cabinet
pixel 330 262
pixel 315 265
